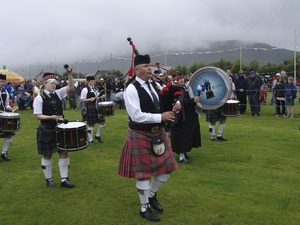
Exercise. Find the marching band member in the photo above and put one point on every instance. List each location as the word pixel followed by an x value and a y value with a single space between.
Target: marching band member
pixel 143 156
pixel 4 106
pixel 47 107
pixel 89 96
pixel 185 134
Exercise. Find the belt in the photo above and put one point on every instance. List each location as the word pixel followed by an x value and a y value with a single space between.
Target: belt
pixel 145 127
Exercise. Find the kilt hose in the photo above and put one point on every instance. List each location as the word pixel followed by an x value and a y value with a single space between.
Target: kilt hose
pixel 137 159
pixel 213 116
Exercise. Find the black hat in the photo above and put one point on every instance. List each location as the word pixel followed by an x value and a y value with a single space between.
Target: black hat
pixel 141 59
pixel 90 78
pixel 2 76
pixel 47 76
pixel 156 72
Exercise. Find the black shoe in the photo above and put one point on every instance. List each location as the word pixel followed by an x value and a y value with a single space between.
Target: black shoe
pixel 221 139
pixel 66 184
pixel 91 142
pixel 185 161
pixel 186 156
pixel 99 139
pixel 214 138
pixel 149 215
pixel 50 183
pixel 5 157
pixel 155 204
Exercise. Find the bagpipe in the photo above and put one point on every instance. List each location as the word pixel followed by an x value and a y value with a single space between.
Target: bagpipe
pixel 169 94
pixel 212 84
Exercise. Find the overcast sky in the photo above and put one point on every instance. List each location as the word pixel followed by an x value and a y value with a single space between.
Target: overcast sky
pixel 62 31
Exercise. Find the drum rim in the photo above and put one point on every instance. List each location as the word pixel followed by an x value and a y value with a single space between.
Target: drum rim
pixel 61 125
pixel 223 75
pixel 9 115
pixel 105 103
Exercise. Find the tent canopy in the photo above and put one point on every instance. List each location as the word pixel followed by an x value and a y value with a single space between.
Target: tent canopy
pixel 12 76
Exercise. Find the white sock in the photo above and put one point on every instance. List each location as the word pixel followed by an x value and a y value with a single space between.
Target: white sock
pixel 212 130
pixel 181 156
pixel 90 132
pixel 6 143
pixel 99 130
pixel 47 167
pixel 63 165
pixel 220 129
pixel 157 181
pixel 143 187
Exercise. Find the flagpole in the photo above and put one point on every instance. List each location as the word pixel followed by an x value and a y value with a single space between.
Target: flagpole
pixel 241 57
pixel 295 57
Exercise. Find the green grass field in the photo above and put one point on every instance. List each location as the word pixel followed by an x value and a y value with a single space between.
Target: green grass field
pixel 253 178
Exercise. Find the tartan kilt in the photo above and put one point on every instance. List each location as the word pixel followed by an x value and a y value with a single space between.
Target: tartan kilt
pixel 137 160
pixel 213 116
pixel 46 148
pixel 93 116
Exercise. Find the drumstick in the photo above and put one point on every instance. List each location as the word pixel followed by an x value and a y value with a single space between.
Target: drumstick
pixel 15 109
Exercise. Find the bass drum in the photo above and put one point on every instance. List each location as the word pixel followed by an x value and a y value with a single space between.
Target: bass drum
pixel 217 87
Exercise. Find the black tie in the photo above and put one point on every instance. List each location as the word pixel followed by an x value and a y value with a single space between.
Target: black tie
pixel 52 96
pixel 155 100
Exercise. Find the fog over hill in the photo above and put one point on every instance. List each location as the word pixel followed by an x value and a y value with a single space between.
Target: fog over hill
pixel 227 50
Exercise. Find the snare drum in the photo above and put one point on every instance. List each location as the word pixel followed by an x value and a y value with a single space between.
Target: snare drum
pixel 231 108
pixel 106 108
pixel 9 122
pixel 71 136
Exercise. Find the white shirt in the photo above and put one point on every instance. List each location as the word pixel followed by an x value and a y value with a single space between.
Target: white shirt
pixel 132 103
pixel 38 101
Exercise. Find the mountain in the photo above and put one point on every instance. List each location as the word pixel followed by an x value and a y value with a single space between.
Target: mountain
pixel 227 50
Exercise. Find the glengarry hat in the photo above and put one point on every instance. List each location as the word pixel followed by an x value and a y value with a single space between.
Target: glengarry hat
pixel 141 59
pixel 47 76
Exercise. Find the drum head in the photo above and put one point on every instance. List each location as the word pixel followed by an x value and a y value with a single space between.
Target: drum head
pixel 71 125
pixel 217 87
pixel 9 115
pixel 105 103
pixel 231 101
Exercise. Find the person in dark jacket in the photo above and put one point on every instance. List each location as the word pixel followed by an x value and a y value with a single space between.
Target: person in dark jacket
pixel 185 134
pixel 254 84
pixel 290 93
pixel 241 86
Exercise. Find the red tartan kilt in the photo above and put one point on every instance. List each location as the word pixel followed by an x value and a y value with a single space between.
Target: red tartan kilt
pixel 137 160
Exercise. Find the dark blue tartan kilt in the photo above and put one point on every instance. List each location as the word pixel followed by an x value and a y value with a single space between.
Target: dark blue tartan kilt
pixel 137 159
pixel 213 116
pixel 46 148
pixel 93 116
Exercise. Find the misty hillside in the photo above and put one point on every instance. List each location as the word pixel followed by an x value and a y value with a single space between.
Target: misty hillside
pixel 227 50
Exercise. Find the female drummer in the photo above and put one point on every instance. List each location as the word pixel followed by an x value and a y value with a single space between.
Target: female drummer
pixel 4 106
pixel 90 96
pixel 47 107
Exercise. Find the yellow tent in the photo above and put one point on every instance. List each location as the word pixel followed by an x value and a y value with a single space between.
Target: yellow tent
pixel 12 76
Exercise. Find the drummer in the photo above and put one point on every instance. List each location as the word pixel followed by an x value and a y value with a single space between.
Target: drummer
pixel 47 107
pixel 4 107
pixel 90 97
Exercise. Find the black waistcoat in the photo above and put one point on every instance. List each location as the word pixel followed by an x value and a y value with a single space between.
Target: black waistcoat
pixel 146 103
pixel 51 107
